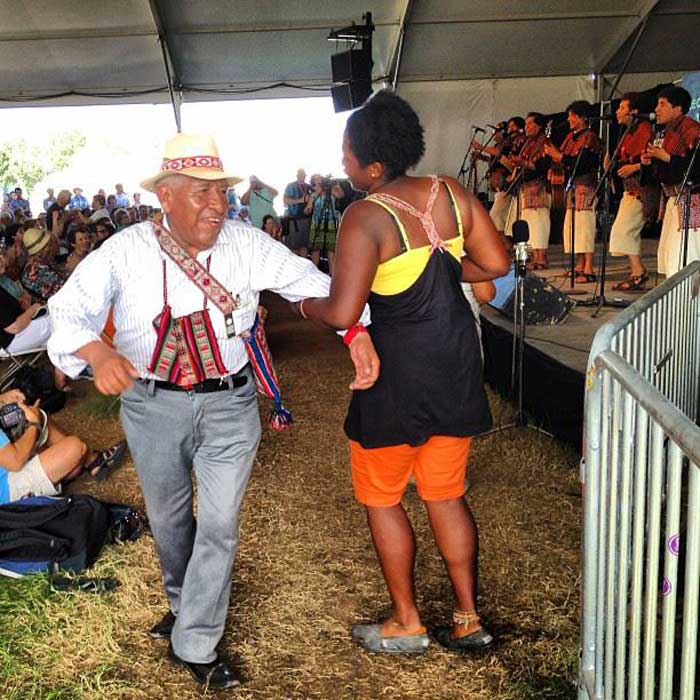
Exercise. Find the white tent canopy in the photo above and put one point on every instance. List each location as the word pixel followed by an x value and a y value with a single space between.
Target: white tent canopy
pixel 458 61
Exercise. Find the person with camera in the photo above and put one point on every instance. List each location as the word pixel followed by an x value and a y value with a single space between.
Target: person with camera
pixel 325 219
pixel 259 199
pixel 36 456
pixel 296 197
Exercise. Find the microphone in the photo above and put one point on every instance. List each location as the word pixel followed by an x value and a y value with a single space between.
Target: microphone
pixel 478 128
pixel 521 235
pixel 497 128
pixel 651 116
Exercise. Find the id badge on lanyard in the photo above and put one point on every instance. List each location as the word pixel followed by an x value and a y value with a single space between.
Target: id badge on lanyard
pixel 241 320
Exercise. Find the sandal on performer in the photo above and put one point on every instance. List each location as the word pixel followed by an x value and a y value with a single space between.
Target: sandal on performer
pixel 479 640
pixel 370 637
pixel 577 273
pixel 634 283
pixel 107 460
pixel 585 277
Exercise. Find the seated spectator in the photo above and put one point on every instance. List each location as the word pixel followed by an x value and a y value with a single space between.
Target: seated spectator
pixel 41 220
pixel 100 211
pixel 40 277
pixel 78 200
pixel 39 460
pixel 111 203
pixel 271 227
pixel 101 231
pixel 144 212
pixel 13 287
pixel 16 253
pixel 79 242
pixel 22 329
pixel 243 216
pixel 55 216
pixel 121 218
pixel 6 219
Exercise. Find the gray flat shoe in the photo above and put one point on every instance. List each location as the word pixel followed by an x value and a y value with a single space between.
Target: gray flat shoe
pixel 481 640
pixel 369 637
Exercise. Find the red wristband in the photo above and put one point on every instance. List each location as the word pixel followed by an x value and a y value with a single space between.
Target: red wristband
pixel 352 333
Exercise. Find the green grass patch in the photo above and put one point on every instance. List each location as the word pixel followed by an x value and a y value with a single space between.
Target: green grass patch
pixel 98 405
pixel 43 632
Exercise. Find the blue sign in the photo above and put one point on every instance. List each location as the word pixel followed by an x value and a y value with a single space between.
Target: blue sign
pixel 691 82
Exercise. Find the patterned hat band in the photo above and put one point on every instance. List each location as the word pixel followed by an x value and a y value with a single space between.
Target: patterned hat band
pixel 177 164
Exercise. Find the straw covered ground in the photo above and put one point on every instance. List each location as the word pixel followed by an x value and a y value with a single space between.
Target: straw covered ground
pixel 306 569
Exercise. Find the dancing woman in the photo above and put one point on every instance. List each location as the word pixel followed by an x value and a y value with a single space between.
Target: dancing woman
pixel 403 249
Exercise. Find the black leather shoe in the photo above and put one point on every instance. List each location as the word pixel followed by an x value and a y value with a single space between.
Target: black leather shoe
pixel 217 675
pixel 164 628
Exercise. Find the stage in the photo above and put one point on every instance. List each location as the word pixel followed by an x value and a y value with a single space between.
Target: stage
pixel 556 356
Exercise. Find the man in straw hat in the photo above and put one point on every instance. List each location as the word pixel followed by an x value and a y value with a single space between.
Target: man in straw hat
pixel 184 294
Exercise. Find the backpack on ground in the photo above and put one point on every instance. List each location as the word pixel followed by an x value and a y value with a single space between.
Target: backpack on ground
pixel 43 534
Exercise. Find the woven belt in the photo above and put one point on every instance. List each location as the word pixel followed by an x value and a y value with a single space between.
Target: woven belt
pixel 208 386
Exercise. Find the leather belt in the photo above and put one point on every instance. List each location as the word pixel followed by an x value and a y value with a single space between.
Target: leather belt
pixel 208 386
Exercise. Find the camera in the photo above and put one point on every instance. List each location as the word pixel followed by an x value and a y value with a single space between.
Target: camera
pixel 11 416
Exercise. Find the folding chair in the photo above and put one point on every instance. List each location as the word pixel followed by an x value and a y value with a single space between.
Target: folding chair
pixel 13 362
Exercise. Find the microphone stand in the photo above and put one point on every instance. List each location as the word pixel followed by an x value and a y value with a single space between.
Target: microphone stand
pixel 686 192
pixel 463 169
pixel 599 301
pixel 518 348
pixel 571 190
pixel 491 165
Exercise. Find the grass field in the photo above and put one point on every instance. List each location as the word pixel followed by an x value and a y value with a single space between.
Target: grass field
pixel 306 570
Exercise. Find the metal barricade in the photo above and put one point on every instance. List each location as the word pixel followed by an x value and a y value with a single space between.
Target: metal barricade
pixel 641 530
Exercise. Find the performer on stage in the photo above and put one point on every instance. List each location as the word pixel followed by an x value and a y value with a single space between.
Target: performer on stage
pixel 639 203
pixel 507 144
pixel 534 198
pixel 580 152
pixel 667 162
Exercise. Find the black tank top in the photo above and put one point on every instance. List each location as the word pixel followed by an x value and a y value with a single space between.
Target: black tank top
pixel 430 380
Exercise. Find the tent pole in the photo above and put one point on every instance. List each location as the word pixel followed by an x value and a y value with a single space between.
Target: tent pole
pixel 170 71
pixel 628 58
pixel 395 64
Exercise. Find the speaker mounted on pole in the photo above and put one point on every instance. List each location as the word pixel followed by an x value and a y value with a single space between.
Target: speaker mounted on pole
pixel 352 70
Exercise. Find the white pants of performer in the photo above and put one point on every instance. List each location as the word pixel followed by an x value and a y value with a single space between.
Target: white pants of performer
pixel 35 335
pixel 626 233
pixel 499 210
pixel 670 253
pixel 539 223
pixel 584 232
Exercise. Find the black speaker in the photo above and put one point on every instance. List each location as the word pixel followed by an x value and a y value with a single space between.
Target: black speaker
pixel 351 65
pixel 544 304
pixel 350 95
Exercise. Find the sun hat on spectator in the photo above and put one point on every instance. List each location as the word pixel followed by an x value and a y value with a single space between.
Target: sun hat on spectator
pixel 194 155
pixel 35 240
pixel 99 214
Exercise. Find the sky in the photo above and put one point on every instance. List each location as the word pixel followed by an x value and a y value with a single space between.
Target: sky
pixel 267 138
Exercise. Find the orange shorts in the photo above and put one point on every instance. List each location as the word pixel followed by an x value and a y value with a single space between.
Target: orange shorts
pixel 380 474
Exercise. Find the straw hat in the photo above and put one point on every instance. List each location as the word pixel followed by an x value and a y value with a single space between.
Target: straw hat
pixel 194 155
pixel 35 240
